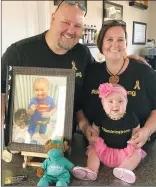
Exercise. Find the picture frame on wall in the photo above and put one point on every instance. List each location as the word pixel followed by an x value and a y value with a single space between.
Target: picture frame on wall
pixel 112 11
pixel 139 4
pixel 139 33
pixel 40 106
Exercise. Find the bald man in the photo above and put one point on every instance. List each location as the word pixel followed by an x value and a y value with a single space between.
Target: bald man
pixel 56 48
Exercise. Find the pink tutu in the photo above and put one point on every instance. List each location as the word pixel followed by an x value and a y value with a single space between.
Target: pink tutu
pixel 113 157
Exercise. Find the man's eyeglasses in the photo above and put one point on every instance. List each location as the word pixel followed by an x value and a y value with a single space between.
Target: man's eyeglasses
pixel 80 4
pixel 114 22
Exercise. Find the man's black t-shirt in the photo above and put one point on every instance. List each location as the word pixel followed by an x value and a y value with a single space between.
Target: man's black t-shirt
pixel 34 52
pixel 116 133
pixel 138 79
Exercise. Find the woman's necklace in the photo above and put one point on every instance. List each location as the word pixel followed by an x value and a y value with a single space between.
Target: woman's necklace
pixel 114 79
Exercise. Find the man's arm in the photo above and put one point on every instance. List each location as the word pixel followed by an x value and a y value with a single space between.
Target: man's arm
pixel 2 108
pixel 141 59
pixel 89 131
pixel 82 120
pixel 9 58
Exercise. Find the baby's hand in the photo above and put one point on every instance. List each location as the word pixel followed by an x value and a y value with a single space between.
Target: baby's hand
pixel 46 114
pixel 30 111
pixel 33 107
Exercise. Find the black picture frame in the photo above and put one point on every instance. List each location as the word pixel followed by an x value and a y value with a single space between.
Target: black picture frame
pixel 115 7
pixel 139 33
pixel 21 83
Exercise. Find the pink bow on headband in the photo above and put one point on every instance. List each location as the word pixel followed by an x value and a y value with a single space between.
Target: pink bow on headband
pixel 106 88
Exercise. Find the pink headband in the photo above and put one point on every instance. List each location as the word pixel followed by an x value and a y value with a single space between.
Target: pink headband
pixel 106 88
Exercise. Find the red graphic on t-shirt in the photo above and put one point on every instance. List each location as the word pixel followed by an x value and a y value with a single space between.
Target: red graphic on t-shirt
pixel 43 107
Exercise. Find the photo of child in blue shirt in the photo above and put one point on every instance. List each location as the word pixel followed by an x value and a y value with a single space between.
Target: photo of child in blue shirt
pixel 41 107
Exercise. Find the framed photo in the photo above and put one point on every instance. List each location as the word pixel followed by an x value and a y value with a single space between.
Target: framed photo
pixel 112 11
pixel 139 4
pixel 41 106
pixel 139 33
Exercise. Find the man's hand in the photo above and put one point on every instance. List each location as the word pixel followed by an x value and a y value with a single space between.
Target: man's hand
pixel 140 137
pixel 138 58
pixel 91 133
pixel 82 124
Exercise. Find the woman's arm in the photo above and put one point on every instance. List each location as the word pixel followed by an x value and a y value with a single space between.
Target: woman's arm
pixel 151 122
pixel 138 58
pixel 141 136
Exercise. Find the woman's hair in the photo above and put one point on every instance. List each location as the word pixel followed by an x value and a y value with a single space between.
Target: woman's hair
pixel 107 25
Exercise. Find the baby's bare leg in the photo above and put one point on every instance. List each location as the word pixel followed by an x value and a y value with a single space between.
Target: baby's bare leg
pixel 89 172
pixel 93 161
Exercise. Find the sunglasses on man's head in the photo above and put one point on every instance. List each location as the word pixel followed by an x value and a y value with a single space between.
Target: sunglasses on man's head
pixel 114 22
pixel 80 4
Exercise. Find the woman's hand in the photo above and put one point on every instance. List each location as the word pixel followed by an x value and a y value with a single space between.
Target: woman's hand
pixel 140 137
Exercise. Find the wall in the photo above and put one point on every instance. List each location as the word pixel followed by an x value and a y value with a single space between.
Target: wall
pixel 21 19
pixel 130 14
pixel 13 25
pixel 152 20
